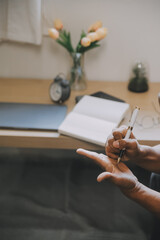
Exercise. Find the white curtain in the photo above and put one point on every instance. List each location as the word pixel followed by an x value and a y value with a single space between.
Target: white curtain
pixel 20 20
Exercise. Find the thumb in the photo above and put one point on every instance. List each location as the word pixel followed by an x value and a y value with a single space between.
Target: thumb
pixel 103 176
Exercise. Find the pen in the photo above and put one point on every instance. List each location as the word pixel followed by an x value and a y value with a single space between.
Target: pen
pixel 129 130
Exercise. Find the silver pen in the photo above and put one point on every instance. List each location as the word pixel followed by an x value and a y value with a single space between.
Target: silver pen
pixel 129 130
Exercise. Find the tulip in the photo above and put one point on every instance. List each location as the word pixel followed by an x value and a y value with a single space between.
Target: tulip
pixel 58 24
pixel 95 26
pixel 93 36
pixel 53 33
pixel 101 32
pixel 85 41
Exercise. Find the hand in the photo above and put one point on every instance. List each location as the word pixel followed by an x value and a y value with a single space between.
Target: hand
pixel 119 174
pixel 116 142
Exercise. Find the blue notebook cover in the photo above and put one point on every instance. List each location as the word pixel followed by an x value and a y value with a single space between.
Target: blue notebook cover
pixel 31 116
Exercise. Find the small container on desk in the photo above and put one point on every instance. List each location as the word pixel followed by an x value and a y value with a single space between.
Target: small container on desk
pixel 138 81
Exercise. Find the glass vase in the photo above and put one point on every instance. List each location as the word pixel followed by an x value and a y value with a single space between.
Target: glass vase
pixel 77 76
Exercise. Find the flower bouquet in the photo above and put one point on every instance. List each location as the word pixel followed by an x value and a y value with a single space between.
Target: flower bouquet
pixel 88 41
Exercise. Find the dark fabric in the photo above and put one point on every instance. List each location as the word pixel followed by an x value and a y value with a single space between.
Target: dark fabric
pixel 155 185
pixel 53 194
pixel 155 181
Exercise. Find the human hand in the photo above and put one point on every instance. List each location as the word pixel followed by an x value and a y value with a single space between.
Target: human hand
pixel 116 142
pixel 119 174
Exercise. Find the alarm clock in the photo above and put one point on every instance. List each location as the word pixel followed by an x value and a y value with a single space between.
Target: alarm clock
pixel 59 90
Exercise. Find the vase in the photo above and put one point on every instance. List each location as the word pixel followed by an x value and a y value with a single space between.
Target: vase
pixel 77 76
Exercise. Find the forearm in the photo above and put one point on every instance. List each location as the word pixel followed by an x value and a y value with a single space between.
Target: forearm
pixel 146 197
pixel 149 158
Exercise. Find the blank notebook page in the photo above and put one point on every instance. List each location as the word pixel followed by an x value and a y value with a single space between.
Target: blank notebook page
pixel 93 119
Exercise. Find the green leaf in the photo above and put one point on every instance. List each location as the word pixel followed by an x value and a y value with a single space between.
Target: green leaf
pixel 84 49
pixel 69 41
pixel 63 44
pixel 65 40
pixel 83 34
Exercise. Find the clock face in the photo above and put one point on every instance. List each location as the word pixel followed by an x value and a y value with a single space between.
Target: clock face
pixel 55 92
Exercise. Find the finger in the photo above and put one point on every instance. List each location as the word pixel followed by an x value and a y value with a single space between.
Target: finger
pixel 130 144
pixel 119 133
pixel 132 136
pixel 113 155
pixel 110 137
pixel 116 144
pixel 112 149
pixel 103 176
pixel 100 159
pixel 107 175
pixel 124 131
pixel 110 141
pixel 109 147
pixel 110 176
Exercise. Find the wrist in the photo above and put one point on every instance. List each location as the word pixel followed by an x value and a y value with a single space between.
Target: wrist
pixel 146 197
pixel 149 158
pixel 144 153
pixel 133 192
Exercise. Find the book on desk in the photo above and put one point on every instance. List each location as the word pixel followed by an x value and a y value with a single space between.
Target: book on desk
pixel 93 118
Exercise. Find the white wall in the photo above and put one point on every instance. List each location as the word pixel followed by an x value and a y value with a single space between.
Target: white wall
pixel 134 34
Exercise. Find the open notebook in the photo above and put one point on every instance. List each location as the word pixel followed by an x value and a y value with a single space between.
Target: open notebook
pixel 93 119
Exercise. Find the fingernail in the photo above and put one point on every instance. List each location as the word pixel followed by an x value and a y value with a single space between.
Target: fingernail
pixel 116 144
pixel 99 179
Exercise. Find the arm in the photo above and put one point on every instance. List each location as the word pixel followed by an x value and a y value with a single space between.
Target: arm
pixel 149 158
pixel 121 176
pixel 146 197
pixel 144 156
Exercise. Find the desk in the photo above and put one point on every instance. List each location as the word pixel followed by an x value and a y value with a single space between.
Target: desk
pixel 37 91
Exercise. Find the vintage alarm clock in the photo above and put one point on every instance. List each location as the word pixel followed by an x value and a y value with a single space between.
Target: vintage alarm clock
pixel 59 89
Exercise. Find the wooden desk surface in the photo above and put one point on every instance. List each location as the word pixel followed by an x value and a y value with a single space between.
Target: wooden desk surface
pixel 37 91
